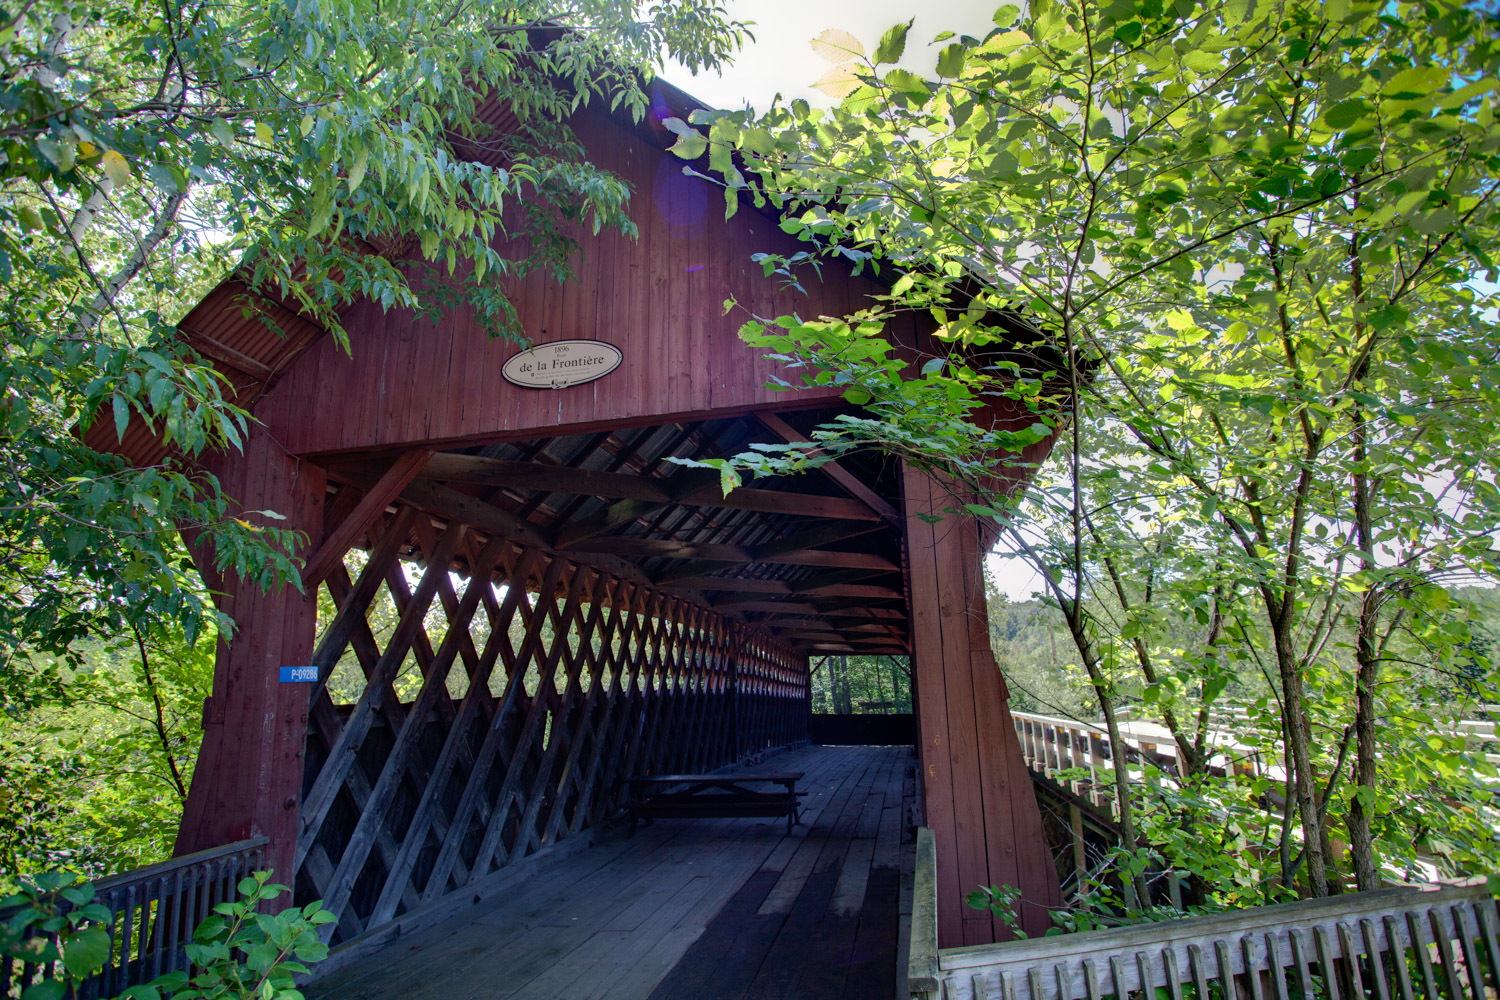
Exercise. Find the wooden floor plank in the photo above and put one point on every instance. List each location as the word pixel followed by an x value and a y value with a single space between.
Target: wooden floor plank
pixel 872 966
pixel 794 947
pixel 804 861
pixel 674 912
pixel 724 960
pixel 849 891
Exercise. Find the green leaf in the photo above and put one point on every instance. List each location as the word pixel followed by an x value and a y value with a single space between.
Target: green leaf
pixel 357 170
pixel 47 989
pixel 115 167
pixel 951 60
pixel 223 132
pixel 837 45
pixel 689 146
pixel 322 215
pixel 909 83
pixel 1345 113
pixel 892 43
pixel 86 951
pixel 839 82
pixel 122 415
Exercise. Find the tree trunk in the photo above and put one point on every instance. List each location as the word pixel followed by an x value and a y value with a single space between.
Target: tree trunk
pixel 1294 707
pixel 1366 651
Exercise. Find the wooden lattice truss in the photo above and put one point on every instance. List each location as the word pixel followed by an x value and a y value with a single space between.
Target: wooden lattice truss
pixel 509 633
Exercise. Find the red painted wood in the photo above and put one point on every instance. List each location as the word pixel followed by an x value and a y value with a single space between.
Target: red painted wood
pixel 387 488
pixel 977 796
pixel 248 779
pixel 660 299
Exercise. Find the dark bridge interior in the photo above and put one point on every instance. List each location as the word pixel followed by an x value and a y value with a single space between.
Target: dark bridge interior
pixel 813 559
pixel 513 629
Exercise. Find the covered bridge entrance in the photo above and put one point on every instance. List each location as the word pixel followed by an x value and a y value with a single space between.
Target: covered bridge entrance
pixel 515 600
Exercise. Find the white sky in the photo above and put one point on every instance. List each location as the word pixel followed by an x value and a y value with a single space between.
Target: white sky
pixel 780 60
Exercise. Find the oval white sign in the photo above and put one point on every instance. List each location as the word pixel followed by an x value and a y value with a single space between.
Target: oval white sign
pixel 562 363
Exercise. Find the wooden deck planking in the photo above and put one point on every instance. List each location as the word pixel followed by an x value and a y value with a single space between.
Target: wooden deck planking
pixel 680 909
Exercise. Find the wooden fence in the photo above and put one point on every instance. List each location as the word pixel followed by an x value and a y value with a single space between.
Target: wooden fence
pixel 1437 944
pixel 1051 744
pixel 153 913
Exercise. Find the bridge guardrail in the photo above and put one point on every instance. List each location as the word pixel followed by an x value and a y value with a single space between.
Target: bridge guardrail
pixel 1395 944
pixel 153 913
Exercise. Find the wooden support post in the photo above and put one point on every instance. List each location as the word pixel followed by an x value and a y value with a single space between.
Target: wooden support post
pixel 979 800
pixel 736 744
pixel 1080 853
pixel 248 779
pixel 375 500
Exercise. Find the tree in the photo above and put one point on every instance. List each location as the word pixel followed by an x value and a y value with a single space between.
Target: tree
pixel 1221 228
pixel 95 777
pixel 323 152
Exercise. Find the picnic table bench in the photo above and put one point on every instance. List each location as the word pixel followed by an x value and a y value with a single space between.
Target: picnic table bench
pixel 716 795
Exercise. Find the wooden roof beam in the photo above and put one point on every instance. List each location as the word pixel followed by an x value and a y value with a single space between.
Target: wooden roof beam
pixel 378 496
pixel 865 627
pixel 666 548
pixel 808 608
pixel 865 591
pixel 847 480
pixel 770 552
pixel 694 487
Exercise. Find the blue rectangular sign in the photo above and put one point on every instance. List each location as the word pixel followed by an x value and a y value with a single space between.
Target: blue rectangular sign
pixel 295 675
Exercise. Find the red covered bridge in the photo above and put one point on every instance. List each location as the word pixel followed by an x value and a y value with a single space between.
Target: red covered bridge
pixel 525 604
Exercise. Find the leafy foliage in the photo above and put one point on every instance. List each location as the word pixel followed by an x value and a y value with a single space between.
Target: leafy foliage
pixel 93 779
pixel 322 152
pixel 1223 256
pixel 239 952
pixel 861 685
pixel 54 922
pixel 244 952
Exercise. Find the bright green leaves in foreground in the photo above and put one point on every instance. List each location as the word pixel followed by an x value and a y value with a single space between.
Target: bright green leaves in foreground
pixel 1239 256
pixel 326 151
pixel 241 950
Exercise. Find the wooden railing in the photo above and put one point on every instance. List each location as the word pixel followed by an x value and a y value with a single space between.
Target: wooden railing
pixel 1437 944
pixel 153 913
pixel 1051 744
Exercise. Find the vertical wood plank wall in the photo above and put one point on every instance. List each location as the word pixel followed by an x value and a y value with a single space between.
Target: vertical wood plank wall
pixel 248 779
pixel 410 378
pixel 977 793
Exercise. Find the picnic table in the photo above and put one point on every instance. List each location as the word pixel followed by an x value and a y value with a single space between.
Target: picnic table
pixel 716 795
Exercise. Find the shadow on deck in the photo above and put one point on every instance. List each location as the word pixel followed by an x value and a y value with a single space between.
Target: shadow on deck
pixel 732 909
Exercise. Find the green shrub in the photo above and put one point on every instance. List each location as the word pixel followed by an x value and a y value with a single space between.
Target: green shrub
pixel 238 953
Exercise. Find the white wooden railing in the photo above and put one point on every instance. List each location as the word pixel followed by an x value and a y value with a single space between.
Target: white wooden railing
pixel 1051 744
pixel 1408 943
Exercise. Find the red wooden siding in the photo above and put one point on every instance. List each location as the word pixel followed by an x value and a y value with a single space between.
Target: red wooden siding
pixel 659 298
pixel 978 798
pixel 248 779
